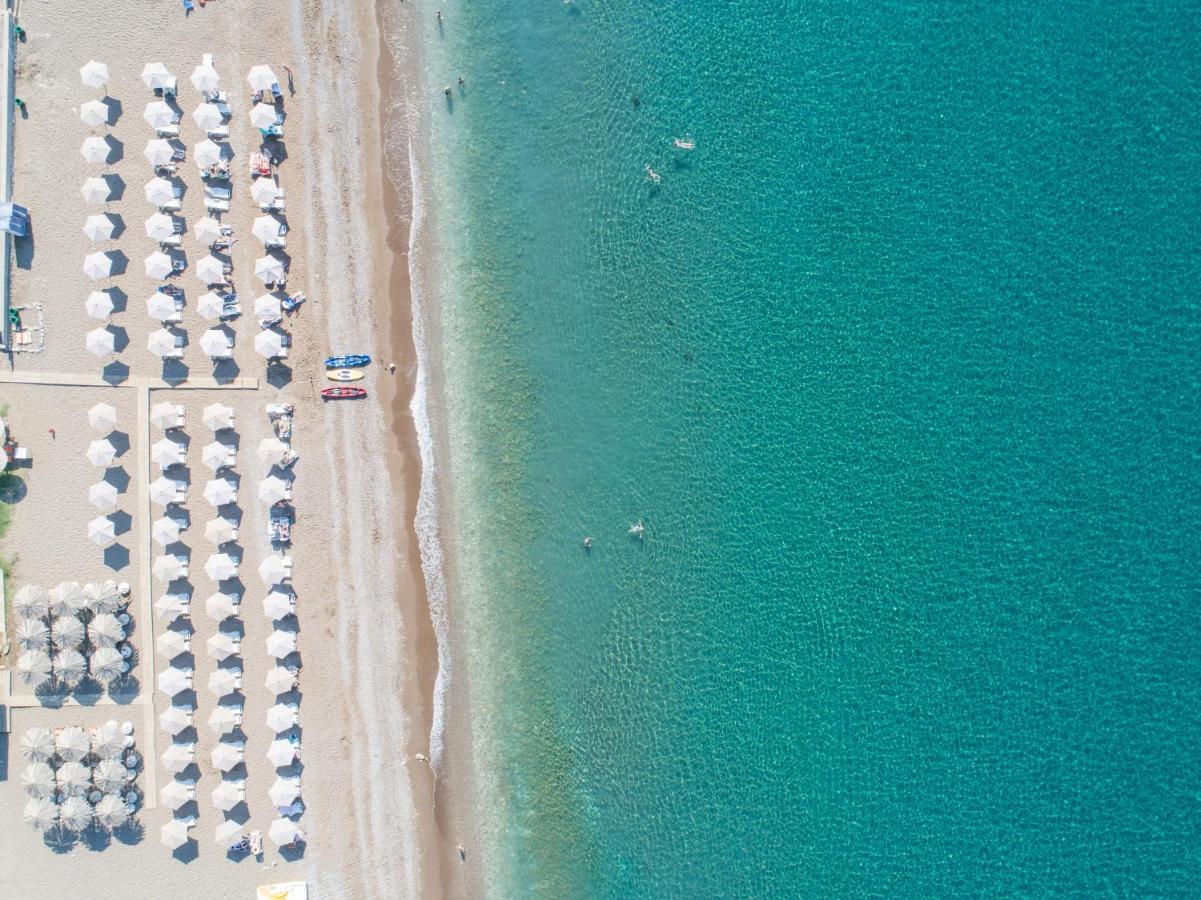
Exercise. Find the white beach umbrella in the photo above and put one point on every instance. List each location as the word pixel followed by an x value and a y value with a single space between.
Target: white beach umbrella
pixel 168 568
pixel 95 190
pixel 40 813
pixel 279 680
pixel 171 644
pixel 268 269
pixel 102 417
pixel 103 596
pixel 223 720
pixel 227 795
pixel 281 717
pixel 210 305
pixel 158 114
pixel 75 814
pixel 108 664
pixel 267 229
pixel 216 456
pixel 73 778
pixel 217 344
pixel 166 415
pixel 105 630
pixel 221 646
pixel 207 230
pixel 207 153
pixel 159 152
pixel 98 227
pixel 175 719
pixel 158 265
pixel 264 191
pixel 38 780
pixel 69 667
pixel 94 74
pixel 270 344
pixel 228 835
pixel 159 191
pixel 67 633
pixel 111 811
pixel 171 606
pixel 267 307
pixel 33 634
pixel 284 831
pixel 174 834
pixel 96 149
pixel 210 270
pixel 163 491
pixel 174 794
pixel 220 606
pixel 217 416
pixel 103 496
pixel 221 566
pixel 94 113
pixel 66 598
pixel 33 668
pixel 155 76
pixel 98 305
pixel 166 452
pixel 101 531
pixel 160 226
pixel 97 265
pixel 161 342
pixel 279 604
pixel 273 489
pixel 273 451
pixel 30 602
pixel 161 306
pixel 222 682
pixel 263 115
pixel 207 116
pixel 261 78
pixel 220 491
pixel 72 743
pixel 165 530
pixel 100 342
pixel 226 756
pixel 37 745
pixel 172 681
pixel 178 757
pixel 275 569
pixel 281 643
pixel 108 741
pixel 284 792
pixel 205 78
pixel 101 452
pixel 281 753
pixel 109 775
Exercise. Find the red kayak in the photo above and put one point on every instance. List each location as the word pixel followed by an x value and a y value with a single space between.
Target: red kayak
pixel 343 393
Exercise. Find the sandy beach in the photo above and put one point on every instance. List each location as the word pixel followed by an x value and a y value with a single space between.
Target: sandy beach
pixel 366 650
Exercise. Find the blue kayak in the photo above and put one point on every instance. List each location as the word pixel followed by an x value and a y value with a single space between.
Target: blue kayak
pixel 352 361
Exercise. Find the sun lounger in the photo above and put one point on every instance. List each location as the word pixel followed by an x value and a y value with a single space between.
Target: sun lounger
pixel 220 191
pixel 168 131
pixel 171 205
pixel 219 132
pixel 276 92
pixel 212 204
pixel 166 169
pixel 173 241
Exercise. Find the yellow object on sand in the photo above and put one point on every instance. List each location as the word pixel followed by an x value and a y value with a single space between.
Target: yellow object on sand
pixel 344 374
pixel 284 890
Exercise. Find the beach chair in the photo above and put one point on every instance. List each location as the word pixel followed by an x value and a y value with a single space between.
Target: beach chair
pixel 212 204
pixel 171 205
pixel 177 353
pixel 276 93
pixel 177 265
pixel 168 131
pixel 219 132
pixel 232 308
pixel 181 496
pixel 173 241
pixel 220 191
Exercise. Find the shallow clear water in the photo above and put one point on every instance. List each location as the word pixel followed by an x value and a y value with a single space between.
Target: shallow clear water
pixel 899 367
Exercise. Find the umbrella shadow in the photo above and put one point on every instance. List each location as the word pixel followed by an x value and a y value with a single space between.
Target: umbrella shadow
pixel 116 150
pixel 125 689
pixel 120 299
pixel 118 225
pixel 116 186
pixel 115 372
pixel 52 694
pixel 187 852
pixel 175 370
pixel 132 832
pixel 279 374
pixel 292 852
pixel 122 521
pixel 118 478
pixel 120 337
pixel 95 838
pixel 24 249
pixel 115 110
pixel 59 839
pixel 226 370
pixel 116 557
pixel 120 262
pixel 87 693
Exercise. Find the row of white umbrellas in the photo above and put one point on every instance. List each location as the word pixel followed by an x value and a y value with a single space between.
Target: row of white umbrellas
pixel 72 744
pixel 230 834
pixel 159 265
pixel 156 76
pixel 75 813
pixel 68 598
pixel 68 632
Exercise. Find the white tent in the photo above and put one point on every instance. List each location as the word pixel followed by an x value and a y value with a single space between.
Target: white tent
pixel 72 743
pixel 97 265
pixel 96 149
pixel 264 191
pixel 171 644
pixel 275 569
pixel 164 492
pixel 66 598
pixel 221 566
pixel 216 456
pixel 178 757
pixel 175 719
pixel 158 114
pixel 173 681
pixel 171 606
pixel 220 491
pixel 94 74
pixel 73 779
pixel 102 417
pixel 158 265
pixel 101 452
pixel 66 631
pixel 159 152
pixel 33 634
pixel 98 227
pixel 95 190
pixel 166 452
pixel 207 116
pixel 165 530
pixel 207 153
pixel 273 489
pixel 156 77
pixel 211 305
pixel 227 795
pixel 108 741
pixel 268 269
pixel 37 745
pixel 270 344
pixel 217 344
pixel 101 531
pixel 75 814
pixel 38 780
pixel 228 835
pixel 267 309
pixel 103 496
pixel 261 78
pixel 263 115
pixel 278 604
pixel 159 191
pixel 220 606
pixel 222 682
pixel 100 342
pixel 33 668
pixel 217 416
pixel 281 643
pixel 175 794
pixel 105 630
pixel 161 343
pixel 40 813
pixel 226 756
pixel 281 753
pixel 221 646
pixel 207 230
pixel 205 77
pixel 98 305
pixel 279 680
pixel 281 717
pixel 168 568
pixel 110 775
pixel 267 229
pixel 166 415
pixel 223 720
pixel 285 791
pixel 30 602
pixel 210 270
pixel 160 226
pixel 107 664
pixel 174 834
pixel 94 113
pixel 284 831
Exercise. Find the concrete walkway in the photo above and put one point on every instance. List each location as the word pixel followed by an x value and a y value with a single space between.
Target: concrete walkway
pixel 79 379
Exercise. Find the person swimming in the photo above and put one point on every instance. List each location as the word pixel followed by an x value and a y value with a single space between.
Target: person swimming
pixel 652 175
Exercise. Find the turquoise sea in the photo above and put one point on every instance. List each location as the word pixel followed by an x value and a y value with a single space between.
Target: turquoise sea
pixel 900 369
